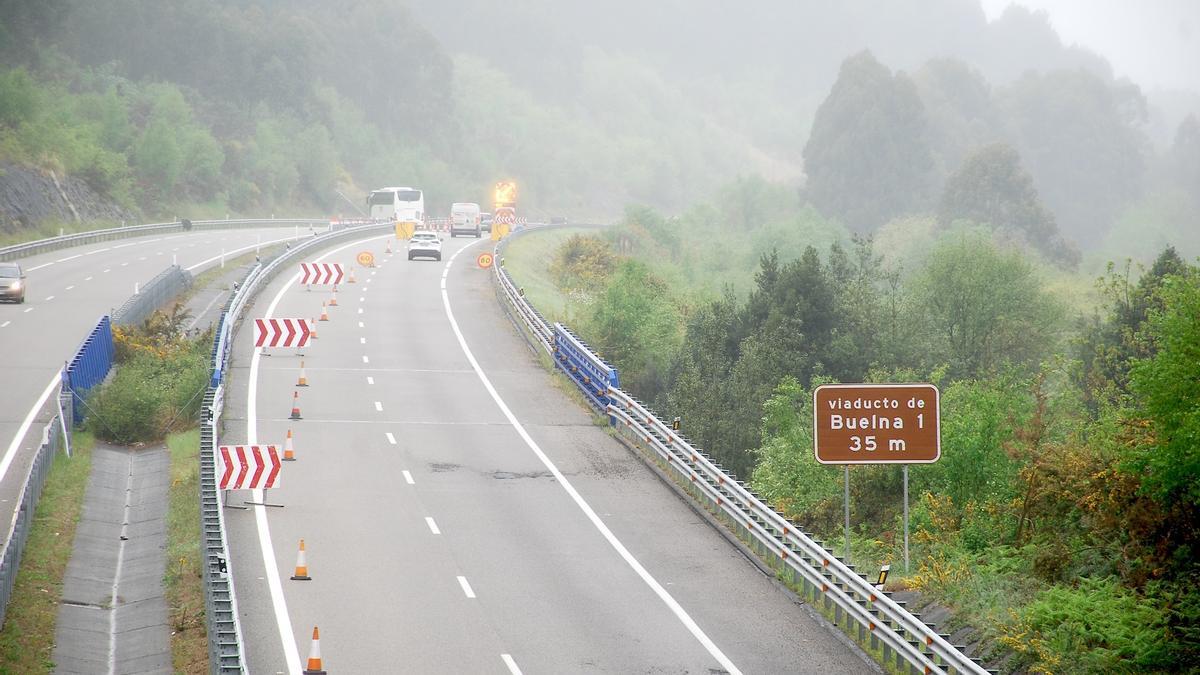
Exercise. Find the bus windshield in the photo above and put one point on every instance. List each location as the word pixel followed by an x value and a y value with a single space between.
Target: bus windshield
pixel 408 195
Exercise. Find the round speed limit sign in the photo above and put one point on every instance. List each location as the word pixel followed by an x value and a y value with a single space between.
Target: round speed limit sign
pixel 366 259
pixel 484 260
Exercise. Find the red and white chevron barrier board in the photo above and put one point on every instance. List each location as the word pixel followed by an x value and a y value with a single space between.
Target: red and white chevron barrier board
pixel 505 215
pixel 248 467
pixel 321 273
pixel 281 332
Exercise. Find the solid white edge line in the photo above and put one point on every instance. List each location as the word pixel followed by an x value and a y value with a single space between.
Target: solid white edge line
pixel 633 563
pixel 235 251
pixel 432 525
pixel 512 665
pixel 287 638
pixel 11 453
pixel 408 477
pixel 462 581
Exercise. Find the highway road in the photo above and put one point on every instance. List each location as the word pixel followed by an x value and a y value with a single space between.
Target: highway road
pixel 68 291
pixel 463 514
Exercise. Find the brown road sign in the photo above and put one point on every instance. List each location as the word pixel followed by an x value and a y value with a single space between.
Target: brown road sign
pixel 877 424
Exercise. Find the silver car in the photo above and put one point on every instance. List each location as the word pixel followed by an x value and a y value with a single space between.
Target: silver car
pixel 12 282
pixel 425 245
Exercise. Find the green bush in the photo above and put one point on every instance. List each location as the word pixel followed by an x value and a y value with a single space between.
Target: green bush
pixel 1097 627
pixel 151 394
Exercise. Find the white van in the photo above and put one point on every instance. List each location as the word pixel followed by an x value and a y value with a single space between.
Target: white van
pixel 464 219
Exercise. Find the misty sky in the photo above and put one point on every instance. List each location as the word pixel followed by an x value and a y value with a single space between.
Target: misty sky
pixel 1156 43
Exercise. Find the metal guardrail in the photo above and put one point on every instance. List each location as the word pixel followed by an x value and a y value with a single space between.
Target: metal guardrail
pixel 90 364
pixel 225 645
pixel 530 316
pixel 13 545
pixel 54 243
pixel 225 649
pixel 825 577
pixel 590 373
pixel 165 285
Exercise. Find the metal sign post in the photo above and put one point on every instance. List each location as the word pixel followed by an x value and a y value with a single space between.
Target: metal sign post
pixel 906 519
pixel 846 502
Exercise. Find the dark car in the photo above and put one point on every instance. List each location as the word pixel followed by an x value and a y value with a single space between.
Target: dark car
pixel 485 222
pixel 12 282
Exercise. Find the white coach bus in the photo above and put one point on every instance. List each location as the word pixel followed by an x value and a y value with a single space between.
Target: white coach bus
pixel 397 203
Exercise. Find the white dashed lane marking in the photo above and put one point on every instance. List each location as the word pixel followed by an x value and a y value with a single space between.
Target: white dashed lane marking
pixel 433 527
pixel 366 360
pixel 391 438
pixel 462 581
pixel 379 406
pixel 370 380
pixel 512 665
pixel 408 477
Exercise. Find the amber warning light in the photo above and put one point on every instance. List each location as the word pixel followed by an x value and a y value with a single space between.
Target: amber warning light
pixel 877 424
pixel 505 193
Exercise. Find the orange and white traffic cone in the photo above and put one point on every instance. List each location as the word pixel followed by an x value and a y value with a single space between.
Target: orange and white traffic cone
pixel 312 329
pixel 303 381
pixel 314 656
pixel 289 453
pixel 301 568
pixel 351 279
pixel 333 300
pixel 324 313
pixel 296 405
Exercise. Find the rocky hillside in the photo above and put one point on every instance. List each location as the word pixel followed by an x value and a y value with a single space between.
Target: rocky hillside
pixel 31 197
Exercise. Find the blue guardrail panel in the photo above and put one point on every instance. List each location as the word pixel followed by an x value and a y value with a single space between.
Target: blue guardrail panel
pixel 91 364
pixel 591 374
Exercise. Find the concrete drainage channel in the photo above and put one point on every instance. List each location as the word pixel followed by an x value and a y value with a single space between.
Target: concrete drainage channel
pixel 113 615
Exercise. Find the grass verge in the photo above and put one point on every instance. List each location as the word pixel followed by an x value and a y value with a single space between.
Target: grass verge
pixel 526 258
pixel 183 581
pixel 27 638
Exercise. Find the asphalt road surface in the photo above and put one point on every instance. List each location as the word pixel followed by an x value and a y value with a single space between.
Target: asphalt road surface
pixel 438 540
pixel 68 291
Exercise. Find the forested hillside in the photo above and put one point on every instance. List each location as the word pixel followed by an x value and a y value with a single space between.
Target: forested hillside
pixel 215 106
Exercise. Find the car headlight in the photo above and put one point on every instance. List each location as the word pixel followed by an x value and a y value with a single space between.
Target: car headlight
pixel 16 285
